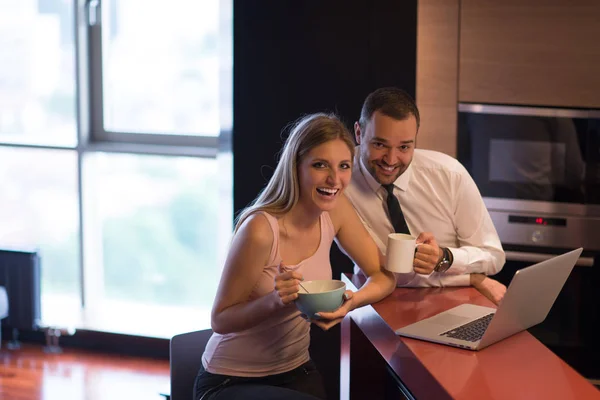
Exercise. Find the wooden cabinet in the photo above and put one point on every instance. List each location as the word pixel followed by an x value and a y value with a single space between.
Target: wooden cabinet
pixel 537 52
pixel 437 74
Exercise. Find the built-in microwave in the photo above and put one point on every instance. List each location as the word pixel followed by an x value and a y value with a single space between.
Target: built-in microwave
pixel 538 170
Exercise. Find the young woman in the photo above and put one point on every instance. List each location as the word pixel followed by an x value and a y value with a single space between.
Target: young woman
pixel 259 349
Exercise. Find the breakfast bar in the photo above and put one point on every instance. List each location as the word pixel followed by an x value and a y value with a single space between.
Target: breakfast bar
pixel 378 364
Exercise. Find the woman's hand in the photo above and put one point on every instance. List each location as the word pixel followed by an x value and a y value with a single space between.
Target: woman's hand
pixel 330 319
pixel 286 285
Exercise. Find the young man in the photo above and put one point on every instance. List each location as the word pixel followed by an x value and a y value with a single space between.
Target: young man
pixel 439 202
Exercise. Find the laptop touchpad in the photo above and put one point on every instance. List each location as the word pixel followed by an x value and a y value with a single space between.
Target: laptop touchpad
pixel 449 319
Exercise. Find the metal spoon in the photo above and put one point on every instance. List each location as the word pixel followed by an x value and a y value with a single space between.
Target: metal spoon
pixel 303 287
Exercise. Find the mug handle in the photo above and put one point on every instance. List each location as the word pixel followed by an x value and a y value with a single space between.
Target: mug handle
pixel 417 245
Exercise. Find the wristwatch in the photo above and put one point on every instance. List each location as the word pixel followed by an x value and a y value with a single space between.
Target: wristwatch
pixel 445 262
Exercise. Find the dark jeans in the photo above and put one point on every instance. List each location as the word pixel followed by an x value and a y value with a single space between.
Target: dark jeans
pixel 302 383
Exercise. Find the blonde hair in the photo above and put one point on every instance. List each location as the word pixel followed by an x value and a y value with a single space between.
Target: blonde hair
pixel 283 191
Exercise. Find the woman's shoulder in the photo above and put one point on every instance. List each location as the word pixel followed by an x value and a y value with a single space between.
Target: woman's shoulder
pixel 257 229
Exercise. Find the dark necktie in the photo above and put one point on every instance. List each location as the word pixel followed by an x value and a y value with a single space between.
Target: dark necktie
pixel 396 216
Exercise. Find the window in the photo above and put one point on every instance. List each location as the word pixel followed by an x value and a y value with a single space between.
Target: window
pixel 37 73
pixel 160 71
pixel 155 222
pixel 114 157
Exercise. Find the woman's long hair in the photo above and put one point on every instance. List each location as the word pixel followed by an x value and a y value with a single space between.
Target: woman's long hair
pixel 283 190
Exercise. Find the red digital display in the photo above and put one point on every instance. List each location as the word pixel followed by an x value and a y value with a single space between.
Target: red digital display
pixel 526 219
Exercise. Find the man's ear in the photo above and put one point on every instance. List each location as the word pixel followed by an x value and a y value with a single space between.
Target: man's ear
pixel 357 132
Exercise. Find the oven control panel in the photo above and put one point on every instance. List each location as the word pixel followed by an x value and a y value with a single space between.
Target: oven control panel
pixel 531 229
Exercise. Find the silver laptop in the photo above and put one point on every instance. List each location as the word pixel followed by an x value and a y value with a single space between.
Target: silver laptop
pixel 527 301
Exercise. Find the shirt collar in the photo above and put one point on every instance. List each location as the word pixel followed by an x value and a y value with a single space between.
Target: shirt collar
pixel 404 179
pixel 401 182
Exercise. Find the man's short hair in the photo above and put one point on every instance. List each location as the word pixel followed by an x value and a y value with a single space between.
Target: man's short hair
pixel 390 101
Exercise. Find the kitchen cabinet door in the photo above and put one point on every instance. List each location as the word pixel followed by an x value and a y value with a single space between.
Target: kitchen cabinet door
pixel 437 74
pixel 538 52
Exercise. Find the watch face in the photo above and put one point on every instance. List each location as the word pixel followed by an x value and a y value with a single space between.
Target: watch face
pixel 443 266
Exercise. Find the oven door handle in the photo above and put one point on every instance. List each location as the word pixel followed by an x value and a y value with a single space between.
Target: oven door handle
pixel 539 257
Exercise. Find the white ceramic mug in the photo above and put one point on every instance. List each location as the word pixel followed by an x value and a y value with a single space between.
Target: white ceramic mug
pixel 400 253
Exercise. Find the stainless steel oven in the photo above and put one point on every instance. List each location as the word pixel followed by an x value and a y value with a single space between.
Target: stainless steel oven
pixel 538 170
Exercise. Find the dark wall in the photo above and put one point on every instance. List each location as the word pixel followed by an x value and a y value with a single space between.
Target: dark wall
pixel 297 57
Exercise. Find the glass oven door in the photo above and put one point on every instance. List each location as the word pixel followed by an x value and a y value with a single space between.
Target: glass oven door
pixel 529 153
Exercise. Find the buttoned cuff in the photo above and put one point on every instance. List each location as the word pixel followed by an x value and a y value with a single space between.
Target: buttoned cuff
pixel 460 265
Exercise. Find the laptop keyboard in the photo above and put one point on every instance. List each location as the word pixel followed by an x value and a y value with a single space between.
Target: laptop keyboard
pixel 471 332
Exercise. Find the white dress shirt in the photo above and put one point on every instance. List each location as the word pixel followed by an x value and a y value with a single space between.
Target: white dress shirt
pixel 437 195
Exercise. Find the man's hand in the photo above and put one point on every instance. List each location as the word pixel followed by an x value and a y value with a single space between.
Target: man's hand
pixel 490 288
pixel 427 255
